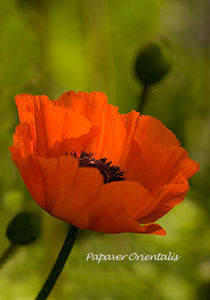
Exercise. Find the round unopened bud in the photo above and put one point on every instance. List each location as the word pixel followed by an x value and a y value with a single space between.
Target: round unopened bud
pixel 24 228
pixel 154 61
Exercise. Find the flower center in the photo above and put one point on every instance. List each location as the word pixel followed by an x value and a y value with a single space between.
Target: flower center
pixel 109 172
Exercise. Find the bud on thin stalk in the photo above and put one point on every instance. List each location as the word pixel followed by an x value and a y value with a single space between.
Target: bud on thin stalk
pixel 153 63
pixel 23 229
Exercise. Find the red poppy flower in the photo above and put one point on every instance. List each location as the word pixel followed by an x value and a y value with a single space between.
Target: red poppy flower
pixel 87 164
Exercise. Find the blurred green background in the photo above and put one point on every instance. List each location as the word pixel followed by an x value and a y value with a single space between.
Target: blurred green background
pixel 48 47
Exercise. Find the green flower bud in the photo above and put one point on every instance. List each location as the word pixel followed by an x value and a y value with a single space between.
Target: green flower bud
pixel 24 228
pixel 154 61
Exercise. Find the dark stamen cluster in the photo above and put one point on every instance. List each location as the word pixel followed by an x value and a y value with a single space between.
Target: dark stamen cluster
pixel 109 172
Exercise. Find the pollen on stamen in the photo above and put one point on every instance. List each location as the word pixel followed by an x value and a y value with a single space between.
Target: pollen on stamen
pixel 109 172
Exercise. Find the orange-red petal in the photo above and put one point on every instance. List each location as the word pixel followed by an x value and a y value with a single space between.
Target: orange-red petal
pixel 60 187
pixel 117 208
pixel 78 195
pixel 51 124
pixel 115 130
pixel 25 106
pixel 154 165
pixel 153 130
pixel 166 198
pixel 23 140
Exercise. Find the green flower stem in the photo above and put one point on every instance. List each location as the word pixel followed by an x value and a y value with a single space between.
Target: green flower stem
pixel 143 98
pixel 7 254
pixel 59 263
